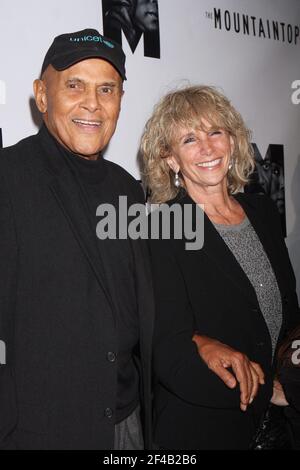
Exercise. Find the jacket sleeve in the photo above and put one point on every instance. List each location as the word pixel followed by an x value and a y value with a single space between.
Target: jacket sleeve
pixel 8 282
pixel 177 364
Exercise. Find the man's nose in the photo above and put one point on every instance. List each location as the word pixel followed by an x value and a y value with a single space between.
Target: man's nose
pixel 91 100
pixel 281 182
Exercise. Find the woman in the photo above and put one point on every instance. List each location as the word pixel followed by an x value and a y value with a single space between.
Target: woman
pixel 239 289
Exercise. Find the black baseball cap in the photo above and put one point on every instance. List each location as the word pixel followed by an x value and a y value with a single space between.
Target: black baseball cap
pixel 70 48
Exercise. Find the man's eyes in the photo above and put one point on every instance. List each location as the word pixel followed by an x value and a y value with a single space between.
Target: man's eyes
pixel 106 90
pixel 74 85
pixel 103 90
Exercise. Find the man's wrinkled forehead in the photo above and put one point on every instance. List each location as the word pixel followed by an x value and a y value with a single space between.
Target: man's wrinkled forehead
pixel 96 70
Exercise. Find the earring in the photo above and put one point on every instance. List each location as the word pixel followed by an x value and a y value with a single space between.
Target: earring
pixel 177 180
pixel 230 164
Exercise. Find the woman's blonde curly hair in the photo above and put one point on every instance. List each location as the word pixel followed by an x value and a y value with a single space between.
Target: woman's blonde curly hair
pixel 187 108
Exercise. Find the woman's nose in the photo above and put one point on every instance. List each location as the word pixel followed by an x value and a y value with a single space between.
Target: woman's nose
pixel 205 146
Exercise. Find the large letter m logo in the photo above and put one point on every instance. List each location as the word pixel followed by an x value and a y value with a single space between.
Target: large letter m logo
pixel 136 18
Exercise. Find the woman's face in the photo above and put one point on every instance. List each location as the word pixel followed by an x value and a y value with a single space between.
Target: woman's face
pixel 202 157
pixel 146 15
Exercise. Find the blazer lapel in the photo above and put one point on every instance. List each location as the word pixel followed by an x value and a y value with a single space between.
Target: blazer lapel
pixel 259 223
pixel 216 249
pixel 68 194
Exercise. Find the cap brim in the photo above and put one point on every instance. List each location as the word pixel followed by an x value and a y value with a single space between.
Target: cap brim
pixel 65 61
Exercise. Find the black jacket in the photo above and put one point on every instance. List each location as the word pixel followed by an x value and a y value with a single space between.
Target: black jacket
pixel 207 291
pixel 57 306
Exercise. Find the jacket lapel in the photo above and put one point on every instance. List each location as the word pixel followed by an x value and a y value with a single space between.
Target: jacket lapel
pixel 68 193
pixel 259 222
pixel 217 251
pixel 72 204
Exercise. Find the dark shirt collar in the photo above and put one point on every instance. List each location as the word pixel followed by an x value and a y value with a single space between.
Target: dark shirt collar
pixel 91 171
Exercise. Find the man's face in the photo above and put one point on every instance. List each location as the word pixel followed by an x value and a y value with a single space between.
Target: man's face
pixel 81 105
pixel 271 179
pixel 277 186
pixel 146 15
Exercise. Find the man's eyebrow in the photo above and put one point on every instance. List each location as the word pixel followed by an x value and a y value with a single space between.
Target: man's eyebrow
pixel 104 83
pixel 74 79
pixel 112 84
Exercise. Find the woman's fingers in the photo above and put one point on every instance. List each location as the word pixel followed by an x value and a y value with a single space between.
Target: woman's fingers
pixel 259 371
pixel 220 370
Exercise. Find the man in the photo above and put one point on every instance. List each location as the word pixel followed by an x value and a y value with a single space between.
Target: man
pixel 76 312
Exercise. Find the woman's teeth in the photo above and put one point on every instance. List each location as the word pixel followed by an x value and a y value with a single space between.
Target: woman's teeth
pixel 210 164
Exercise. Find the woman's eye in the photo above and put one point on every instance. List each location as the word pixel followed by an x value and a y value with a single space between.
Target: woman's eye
pixel 188 140
pixel 212 133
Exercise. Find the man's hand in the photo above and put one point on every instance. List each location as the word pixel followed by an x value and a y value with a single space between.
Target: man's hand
pixel 278 397
pixel 120 11
pixel 218 357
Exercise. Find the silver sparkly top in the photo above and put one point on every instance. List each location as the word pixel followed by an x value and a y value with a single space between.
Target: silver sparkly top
pixel 245 245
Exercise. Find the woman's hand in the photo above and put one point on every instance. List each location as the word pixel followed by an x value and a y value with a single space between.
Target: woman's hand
pixel 219 357
pixel 278 397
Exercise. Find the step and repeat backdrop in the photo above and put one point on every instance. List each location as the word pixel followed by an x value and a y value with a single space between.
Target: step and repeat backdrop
pixel 250 50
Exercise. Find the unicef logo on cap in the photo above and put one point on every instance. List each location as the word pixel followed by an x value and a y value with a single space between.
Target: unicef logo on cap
pixel 92 39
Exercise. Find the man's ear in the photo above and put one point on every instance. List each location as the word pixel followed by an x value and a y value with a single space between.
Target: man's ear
pixel 39 89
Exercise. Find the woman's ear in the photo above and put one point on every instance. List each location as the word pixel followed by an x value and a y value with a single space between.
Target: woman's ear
pixel 171 161
pixel 39 88
pixel 232 146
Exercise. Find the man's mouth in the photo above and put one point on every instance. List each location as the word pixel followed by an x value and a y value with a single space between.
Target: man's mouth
pixel 152 13
pixel 87 123
pixel 210 164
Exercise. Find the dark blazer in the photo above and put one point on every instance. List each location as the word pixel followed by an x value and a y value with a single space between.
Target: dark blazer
pixel 58 308
pixel 207 291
